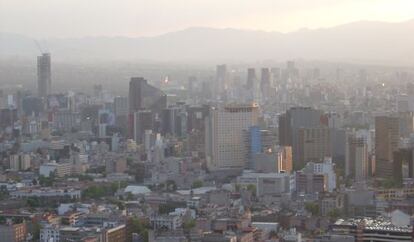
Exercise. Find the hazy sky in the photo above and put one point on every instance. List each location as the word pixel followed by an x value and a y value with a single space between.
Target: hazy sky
pixel 78 18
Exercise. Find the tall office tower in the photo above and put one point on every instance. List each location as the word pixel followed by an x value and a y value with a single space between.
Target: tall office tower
pixel 406 124
pixel 143 120
pixel 265 82
pixel 291 70
pixel 143 96
pixel 251 78
pixel 276 73
pixel 314 144
pixel 386 142
pixel 290 123
pixel 174 121
pixel 221 80
pixel 192 80
pixel 225 139
pixel 196 129
pixel 403 161
pixel 121 111
pixel 259 141
pixel 120 106
pixel 356 158
pixel 44 76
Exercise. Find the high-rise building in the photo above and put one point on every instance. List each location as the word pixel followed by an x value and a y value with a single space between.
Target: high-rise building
pixel 221 79
pixel 120 106
pixel 292 121
pixel 44 75
pixel 403 159
pixel 314 144
pixel 251 78
pixel 174 121
pixel 356 158
pixel 143 96
pixel 386 142
pixel 265 82
pixel 121 111
pixel 143 120
pixel 225 139
pixel 316 177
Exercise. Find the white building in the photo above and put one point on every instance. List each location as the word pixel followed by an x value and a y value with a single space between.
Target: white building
pixel 20 162
pixel 60 169
pixel 225 146
pixel 170 222
pixel 49 234
pixel 267 183
pixel 47 193
pixel 326 168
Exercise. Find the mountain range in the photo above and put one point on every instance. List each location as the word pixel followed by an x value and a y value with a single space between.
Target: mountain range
pixel 363 41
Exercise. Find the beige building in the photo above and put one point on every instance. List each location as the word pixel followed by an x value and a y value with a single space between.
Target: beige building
pixel 356 158
pixel 284 159
pixel 225 144
pixel 13 232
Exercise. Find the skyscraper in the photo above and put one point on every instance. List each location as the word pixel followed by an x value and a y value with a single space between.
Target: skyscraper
pixel 44 76
pixel 225 140
pixel 314 144
pixel 356 158
pixel 386 142
pixel 143 96
pixel 265 80
pixel 293 120
pixel 251 78
pixel 221 79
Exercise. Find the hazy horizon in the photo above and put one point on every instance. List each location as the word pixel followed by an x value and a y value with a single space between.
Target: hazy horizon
pixel 110 18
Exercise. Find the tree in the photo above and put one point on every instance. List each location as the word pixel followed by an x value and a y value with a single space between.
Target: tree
pixel 189 224
pixel 139 227
pixel 252 189
pixel 313 208
pixel 166 208
pixel 197 184
pixel 33 202
pixel 47 181
pixel 334 213
pixel 171 185
pixel 36 231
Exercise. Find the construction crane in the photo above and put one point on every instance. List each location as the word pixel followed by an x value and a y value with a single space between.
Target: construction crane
pixel 40 47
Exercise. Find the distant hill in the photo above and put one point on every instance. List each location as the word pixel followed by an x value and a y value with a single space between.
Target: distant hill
pixel 359 41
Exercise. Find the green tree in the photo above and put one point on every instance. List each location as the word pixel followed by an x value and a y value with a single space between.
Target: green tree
pixel 313 208
pixel 188 225
pixel 197 184
pixel 171 185
pixel 33 202
pixel 252 189
pixel 139 227
pixel 334 213
pixel 36 230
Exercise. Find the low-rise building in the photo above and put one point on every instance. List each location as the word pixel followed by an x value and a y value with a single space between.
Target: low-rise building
pixel 170 222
